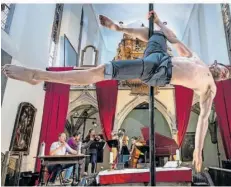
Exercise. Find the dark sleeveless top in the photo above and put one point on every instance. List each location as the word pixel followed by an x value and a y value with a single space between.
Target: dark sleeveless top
pixel 157 43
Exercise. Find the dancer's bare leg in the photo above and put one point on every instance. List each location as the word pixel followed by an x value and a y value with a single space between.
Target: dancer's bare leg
pixel 74 77
pixel 140 33
pixel 7 70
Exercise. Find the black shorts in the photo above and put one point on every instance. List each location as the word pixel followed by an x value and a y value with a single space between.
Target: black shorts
pixel 153 70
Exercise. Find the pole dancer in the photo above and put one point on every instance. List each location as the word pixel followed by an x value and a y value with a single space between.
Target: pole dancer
pixel 156 68
pixel 152 154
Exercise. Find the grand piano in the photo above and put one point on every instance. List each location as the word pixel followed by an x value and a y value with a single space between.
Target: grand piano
pixel 165 147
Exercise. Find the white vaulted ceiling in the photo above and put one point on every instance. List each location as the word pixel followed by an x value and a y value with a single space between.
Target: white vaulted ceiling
pixel 176 16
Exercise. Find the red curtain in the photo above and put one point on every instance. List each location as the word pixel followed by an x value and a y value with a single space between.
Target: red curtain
pixel 54 111
pixel 222 103
pixel 183 99
pixel 107 98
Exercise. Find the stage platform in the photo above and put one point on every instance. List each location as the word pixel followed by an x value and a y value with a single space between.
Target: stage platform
pixel 164 176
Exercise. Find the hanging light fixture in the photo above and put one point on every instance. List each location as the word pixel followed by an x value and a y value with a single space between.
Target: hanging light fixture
pixel 76 114
pixel 94 124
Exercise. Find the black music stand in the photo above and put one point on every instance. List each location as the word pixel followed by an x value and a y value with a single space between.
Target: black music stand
pixel 99 146
pixel 144 149
pixel 113 143
pixel 124 162
pixel 124 151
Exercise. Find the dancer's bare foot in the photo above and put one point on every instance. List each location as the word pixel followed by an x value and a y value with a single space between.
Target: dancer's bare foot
pixel 19 73
pixel 108 23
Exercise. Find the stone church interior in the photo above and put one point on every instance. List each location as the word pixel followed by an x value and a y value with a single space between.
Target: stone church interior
pixel 102 133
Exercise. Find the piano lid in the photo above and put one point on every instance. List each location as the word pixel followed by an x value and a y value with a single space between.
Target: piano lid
pixel 165 146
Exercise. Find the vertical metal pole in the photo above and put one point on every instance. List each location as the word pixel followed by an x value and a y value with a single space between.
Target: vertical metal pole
pixel 218 155
pixel 152 156
pixel 80 37
pixel 84 126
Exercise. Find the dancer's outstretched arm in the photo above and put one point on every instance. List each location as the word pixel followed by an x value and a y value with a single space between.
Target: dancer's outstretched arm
pixel 182 50
pixel 206 101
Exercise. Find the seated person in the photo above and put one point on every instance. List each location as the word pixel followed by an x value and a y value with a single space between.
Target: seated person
pixel 74 143
pixel 59 148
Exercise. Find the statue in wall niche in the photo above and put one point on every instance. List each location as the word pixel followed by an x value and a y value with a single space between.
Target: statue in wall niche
pixel 23 128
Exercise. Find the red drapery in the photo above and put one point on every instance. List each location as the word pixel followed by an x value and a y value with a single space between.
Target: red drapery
pixel 107 98
pixel 222 103
pixel 183 99
pixel 54 111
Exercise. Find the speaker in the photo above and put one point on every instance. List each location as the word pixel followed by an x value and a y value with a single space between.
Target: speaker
pixel 89 180
pixel 226 164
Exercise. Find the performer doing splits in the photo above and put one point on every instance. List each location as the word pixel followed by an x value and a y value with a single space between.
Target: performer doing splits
pixel 156 68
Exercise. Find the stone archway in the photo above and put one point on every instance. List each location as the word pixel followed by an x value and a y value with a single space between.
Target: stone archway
pixel 121 115
pixel 85 98
pixel 75 124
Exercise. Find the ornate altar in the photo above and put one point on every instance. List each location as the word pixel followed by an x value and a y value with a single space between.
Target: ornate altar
pixel 129 49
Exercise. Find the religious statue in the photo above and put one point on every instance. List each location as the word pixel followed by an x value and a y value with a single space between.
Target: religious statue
pixel 23 129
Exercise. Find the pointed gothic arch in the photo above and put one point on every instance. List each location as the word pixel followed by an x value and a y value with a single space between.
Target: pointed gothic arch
pixel 85 98
pixel 122 114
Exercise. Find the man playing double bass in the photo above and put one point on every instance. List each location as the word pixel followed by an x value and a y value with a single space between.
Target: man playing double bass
pixel 135 153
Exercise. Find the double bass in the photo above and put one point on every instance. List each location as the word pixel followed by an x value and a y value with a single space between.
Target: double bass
pixel 135 152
